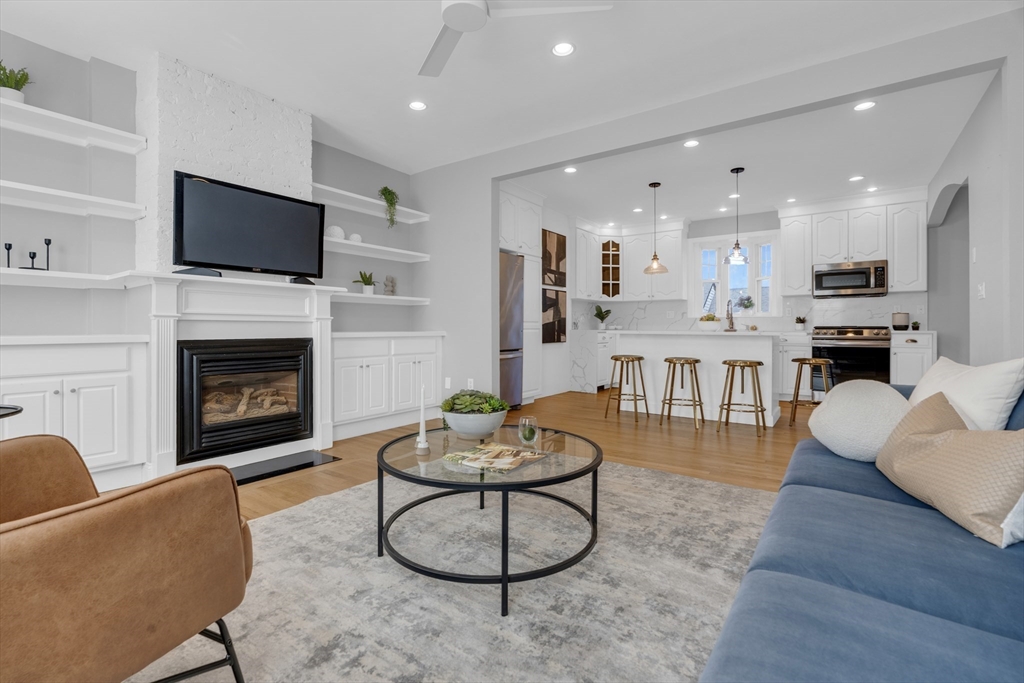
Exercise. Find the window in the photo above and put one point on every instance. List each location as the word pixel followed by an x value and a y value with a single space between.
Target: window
pixel 748 285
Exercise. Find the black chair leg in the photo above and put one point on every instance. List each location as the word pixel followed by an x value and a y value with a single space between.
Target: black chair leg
pixel 231 659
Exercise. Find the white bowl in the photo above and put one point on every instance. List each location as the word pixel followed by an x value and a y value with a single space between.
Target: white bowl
pixel 709 325
pixel 475 425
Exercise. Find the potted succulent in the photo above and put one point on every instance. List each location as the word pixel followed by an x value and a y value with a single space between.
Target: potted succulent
pixel 12 82
pixel 800 321
pixel 366 279
pixel 915 326
pixel 473 414
pixel 709 323
pixel 601 314
pixel 390 199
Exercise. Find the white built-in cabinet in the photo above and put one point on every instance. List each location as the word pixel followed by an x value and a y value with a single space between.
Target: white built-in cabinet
pixel 531 291
pixel 588 265
pixel 830 237
pixel 795 243
pixel 532 362
pixel 519 224
pixel 867 234
pixel 908 247
pixel 634 255
pixel 791 347
pixel 910 356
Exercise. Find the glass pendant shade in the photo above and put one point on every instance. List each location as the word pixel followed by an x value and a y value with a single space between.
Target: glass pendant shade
pixel 736 257
pixel 656 267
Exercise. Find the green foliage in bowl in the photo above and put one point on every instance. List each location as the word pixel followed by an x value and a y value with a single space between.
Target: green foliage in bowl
pixel 473 402
pixel 709 318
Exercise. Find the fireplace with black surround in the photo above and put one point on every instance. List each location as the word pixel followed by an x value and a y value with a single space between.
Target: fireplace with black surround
pixel 241 394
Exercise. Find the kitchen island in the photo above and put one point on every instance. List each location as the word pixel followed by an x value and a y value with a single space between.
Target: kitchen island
pixel 711 348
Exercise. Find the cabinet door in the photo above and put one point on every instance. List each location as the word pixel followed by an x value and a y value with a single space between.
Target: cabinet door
pixel 528 221
pixel 908 247
pixel 584 263
pixel 595 268
pixel 532 362
pixel 507 222
pixel 531 290
pixel 636 255
pixel 375 386
pixel 428 376
pixel 405 384
pixel 797 264
pixel 868 234
pixel 907 366
pixel 96 418
pixel 348 389
pixel 41 407
pixel 830 238
pixel 604 365
pixel 789 372
pixel 670 252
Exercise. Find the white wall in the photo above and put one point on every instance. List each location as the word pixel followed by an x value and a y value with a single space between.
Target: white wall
pixel 949 286
pixel 462 237
pixel 726 225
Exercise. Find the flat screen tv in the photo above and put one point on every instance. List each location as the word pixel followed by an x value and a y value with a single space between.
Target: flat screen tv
pixel 220 225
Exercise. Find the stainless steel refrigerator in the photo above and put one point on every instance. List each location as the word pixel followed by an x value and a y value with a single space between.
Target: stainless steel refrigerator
pixel 510 345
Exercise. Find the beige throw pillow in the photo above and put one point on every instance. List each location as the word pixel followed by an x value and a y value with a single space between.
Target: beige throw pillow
pixel 973 477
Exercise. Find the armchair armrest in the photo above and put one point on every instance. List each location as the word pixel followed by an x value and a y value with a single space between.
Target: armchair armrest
pixel 98 590
pixel 39 474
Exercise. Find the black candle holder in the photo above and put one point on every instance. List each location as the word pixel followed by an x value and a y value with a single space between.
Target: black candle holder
pixel 32 260
pixel 47 242
pixel 8 246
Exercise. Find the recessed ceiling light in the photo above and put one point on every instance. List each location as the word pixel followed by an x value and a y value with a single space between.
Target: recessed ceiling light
pixel 734 196
pixel 690 143
pixel 791 199
pixel 664 217
pixel 637 210
pixel 563 49
pixel 723 209
pixel 611 225
pixel 856 178
pixel 864 105
pixel 570 170
pixel 872 189
pixel 417 106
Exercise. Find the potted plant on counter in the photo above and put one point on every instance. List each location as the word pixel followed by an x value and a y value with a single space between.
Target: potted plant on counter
pixel 473 414
pixel 366 279
pixel 915 326
pixel 800 321
pixel 601 314
pixel 709 323
pixel 12 82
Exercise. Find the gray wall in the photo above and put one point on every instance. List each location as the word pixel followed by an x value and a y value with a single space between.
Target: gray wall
pixel 726 225
pixel 345 171
pixel 949 293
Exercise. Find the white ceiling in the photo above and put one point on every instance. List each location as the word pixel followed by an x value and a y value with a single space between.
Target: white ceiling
pixel 899 143
pixel 353 64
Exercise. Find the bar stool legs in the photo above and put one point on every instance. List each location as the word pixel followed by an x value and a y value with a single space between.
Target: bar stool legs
pixel 628 365
pixel 727 405
pixel 695 401
pixel 823 365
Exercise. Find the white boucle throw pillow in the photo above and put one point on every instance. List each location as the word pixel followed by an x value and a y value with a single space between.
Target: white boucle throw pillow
pixel 982 396
pixel 855 418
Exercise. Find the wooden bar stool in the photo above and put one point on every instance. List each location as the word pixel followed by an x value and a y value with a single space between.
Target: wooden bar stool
pixel 727 406
pixel 627 364
pixel 824 365
pixel 670 400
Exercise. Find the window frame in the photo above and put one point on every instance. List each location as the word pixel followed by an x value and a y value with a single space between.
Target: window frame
pixel 752 241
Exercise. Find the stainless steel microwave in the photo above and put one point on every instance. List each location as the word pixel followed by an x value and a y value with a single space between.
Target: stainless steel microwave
pixel 853 278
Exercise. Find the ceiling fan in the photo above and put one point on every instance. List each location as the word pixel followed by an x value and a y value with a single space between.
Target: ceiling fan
pixel 464 16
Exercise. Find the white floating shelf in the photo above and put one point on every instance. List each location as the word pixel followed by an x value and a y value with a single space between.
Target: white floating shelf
pixel 373 251
pixel 371 206
pixel 377 299
pixel 16 277
pixel 43 123
pixel 59 201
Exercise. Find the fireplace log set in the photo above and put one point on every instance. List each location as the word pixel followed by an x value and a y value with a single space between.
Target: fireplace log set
pixel 250 403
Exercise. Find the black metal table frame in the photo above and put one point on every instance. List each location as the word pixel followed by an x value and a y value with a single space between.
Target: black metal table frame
pixel 456 488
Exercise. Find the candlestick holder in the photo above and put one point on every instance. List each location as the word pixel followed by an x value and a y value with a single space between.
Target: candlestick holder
pixel 8 246
pixel 47 242
pixel 32 260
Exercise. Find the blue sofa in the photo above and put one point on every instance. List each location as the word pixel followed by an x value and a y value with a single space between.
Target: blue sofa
pixel 855 580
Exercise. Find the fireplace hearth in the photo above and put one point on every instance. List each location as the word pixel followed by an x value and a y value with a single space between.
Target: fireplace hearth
pixel 240 394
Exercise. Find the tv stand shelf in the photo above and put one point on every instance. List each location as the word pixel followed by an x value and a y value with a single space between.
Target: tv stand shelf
pixel 341 199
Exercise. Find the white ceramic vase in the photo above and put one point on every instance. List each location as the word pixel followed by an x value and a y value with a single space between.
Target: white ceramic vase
pixel 12 94
pixel 799 327
pixel 367 289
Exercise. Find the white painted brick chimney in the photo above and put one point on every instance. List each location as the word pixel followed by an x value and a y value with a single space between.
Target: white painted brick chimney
pixel 202 124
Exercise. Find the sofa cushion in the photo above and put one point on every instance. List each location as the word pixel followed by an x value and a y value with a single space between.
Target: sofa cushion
pixel 813 464
pixel 914 557
pixel 786 628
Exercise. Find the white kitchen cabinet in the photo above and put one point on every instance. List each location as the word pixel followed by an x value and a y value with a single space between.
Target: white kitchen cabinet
pixel 867 234
pixel 507 238
pixel 605 350
pixel 588 266
pixel 670 252
pixel 361 388
pixel 910 356
pixel 636 255
pixel 797 264
pixel 532 362
pixel 408 374
pixel 907 247
pixel 830 237
pixel 531 290
pixel 788 374
pixel 429 367
pixel 376 389
pixel 519 225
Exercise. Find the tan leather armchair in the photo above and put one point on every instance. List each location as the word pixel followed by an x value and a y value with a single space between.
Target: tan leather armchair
pixel 95 588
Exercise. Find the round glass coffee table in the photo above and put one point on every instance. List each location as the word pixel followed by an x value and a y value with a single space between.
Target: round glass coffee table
pixel 567 457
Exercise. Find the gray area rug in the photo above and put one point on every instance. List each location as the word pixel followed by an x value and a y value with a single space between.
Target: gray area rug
pixel 646 605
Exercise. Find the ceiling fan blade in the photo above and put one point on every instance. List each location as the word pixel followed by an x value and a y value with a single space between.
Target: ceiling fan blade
pixel 526 8
pixel 440 51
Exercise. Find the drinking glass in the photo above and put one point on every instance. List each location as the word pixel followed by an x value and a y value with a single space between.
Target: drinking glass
pixel 528 430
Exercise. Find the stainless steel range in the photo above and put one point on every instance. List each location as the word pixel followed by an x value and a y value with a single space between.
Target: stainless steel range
pixel 855 352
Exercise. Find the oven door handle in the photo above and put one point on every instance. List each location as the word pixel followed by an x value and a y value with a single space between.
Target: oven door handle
pixel 849 344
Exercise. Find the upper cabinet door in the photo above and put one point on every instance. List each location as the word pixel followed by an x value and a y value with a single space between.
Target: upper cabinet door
pixel 528 220
pixel 908 247
pixel 507 222
pixel 670 252
pixel 636 255
pixel 584 279
pixel 868 234
pixel 531 291
pixel 830 238
pixel 797 263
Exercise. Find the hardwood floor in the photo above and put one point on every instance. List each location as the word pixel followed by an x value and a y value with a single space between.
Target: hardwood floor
pixel 734 456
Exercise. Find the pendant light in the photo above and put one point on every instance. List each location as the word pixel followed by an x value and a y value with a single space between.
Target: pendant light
pixel 736 257
pixel 656 267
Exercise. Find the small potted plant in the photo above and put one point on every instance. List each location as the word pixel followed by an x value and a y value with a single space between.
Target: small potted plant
pixel 473 414
pixel 915 326
pixel 709 323
pixel 746 302
pixel 367 281
pixel 601 314
pixel 390 199
pixel 12 82
pixel 800 322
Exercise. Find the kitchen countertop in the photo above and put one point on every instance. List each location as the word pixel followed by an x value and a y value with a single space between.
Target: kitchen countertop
pixel 699 333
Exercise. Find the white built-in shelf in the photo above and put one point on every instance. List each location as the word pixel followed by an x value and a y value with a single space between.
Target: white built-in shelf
pixel 61 201
pixel 46 340
pixel 371 206
pixel 43 123
pixel 16 277
pixel 378 299
pixel 373 251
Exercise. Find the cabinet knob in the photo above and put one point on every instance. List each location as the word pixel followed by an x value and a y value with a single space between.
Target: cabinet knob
pixel 56 391
pixel 74 390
